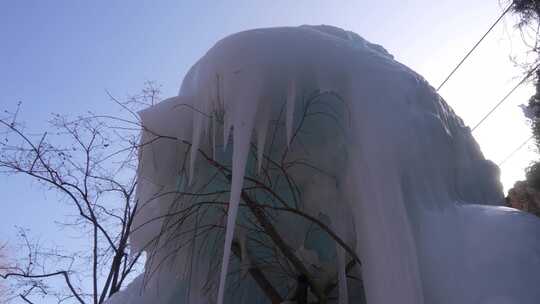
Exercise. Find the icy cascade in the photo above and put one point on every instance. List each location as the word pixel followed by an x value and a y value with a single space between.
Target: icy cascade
pixel 404 168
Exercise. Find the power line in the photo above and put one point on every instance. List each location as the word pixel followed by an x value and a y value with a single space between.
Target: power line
pixel 506 96
pixel 529 74
pixel 515 151
pixel 474 47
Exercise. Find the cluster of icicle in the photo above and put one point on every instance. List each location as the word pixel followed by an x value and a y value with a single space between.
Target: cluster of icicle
pixel 412 193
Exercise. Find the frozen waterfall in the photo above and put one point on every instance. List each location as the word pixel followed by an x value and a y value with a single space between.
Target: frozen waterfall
pixel 317 119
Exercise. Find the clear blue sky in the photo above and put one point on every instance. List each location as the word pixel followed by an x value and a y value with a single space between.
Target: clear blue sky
pixel 60 56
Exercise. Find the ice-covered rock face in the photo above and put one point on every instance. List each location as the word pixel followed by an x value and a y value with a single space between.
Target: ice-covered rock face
pixel 371 148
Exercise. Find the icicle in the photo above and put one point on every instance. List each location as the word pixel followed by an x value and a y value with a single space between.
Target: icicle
pixel 198 131
pixel 240 149
pixel 243 127
pixel 228 120
pixel 261 139
pixel 342 275
pixel 214 131
pixel 226 130
pixel 291 98
pixel 195 143
pixel 193 269
pixel 263 118
pixel 338 216
pixel 201 123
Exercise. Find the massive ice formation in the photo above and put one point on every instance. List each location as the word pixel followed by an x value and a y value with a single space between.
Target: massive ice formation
pixel 373 152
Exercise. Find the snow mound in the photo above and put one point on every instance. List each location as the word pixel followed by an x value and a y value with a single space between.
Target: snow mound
pixel 373 151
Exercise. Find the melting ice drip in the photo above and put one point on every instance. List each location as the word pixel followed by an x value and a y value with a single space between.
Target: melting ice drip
pixel 424 205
